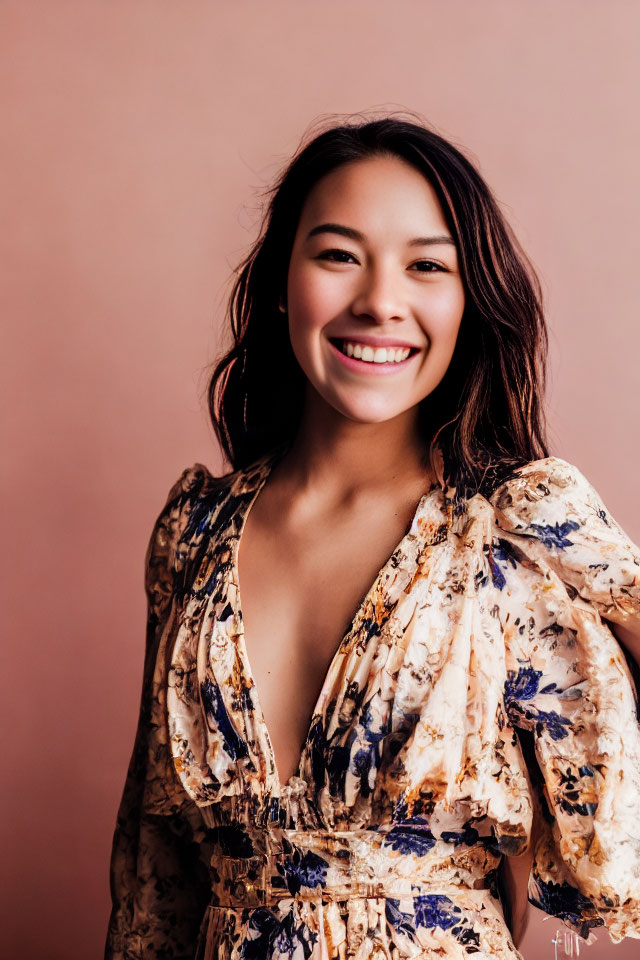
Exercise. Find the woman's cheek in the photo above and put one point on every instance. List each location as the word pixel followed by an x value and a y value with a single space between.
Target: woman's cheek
pixel 442 322
pixel 316 297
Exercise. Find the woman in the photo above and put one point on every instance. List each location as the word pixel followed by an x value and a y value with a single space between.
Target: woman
pixel 472 739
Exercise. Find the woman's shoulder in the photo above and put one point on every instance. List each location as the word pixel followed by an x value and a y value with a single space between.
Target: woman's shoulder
pixel 197 487
pixel 551 499
pixel 197 490
pixel 193 498
pixel 549 484
pixel 552 470
pixel 197 481
pixel 557 517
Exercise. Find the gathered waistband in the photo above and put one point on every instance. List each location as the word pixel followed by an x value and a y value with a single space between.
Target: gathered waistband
pixel 340 865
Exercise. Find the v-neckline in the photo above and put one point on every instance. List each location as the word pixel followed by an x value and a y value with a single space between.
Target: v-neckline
pixel 264 467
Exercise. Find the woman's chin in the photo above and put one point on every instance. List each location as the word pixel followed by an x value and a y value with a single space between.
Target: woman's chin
pixel 364 410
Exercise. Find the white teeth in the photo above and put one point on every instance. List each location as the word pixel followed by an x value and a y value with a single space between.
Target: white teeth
pixel 379 355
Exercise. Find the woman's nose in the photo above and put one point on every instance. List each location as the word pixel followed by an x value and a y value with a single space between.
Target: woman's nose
pixel 379 298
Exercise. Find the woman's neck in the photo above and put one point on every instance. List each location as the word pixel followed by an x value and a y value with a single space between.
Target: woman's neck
pixel 331 452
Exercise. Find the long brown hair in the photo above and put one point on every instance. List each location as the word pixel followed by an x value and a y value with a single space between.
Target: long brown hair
pixel 486 414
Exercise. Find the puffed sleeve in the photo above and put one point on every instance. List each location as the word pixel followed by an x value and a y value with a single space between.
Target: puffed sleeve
pixel 158 874
pixel 561 564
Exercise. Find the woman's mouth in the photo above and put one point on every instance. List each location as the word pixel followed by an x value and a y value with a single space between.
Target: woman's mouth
pixel 371 359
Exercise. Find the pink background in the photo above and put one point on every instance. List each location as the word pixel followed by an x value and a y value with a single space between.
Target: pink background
pixel 136 137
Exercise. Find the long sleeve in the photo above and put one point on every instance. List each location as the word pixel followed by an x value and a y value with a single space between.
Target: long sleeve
pixel 563 564
pixel 158 872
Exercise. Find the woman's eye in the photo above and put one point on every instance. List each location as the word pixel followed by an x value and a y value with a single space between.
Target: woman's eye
pixel 429 263
pixel 328 255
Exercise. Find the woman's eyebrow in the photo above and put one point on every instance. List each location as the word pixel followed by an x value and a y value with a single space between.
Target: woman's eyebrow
pixel 356 235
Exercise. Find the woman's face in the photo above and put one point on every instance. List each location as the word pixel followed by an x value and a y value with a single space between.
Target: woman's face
pixel 374 274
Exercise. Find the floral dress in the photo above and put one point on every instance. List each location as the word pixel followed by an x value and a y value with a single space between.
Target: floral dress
pixel 477 704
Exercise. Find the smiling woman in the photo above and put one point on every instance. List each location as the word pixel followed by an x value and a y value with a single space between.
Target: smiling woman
pixel 375 291
pixel 485 413
pixel 414 716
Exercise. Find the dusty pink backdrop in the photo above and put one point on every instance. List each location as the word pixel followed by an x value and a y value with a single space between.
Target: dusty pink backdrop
pixel 135 136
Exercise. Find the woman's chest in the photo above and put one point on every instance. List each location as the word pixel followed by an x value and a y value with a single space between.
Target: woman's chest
pixel 299 600
pixel 289 664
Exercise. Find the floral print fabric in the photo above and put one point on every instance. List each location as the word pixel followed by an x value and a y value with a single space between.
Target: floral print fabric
pixel 477 701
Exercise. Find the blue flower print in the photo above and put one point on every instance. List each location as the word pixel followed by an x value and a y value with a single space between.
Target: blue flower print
pixel 468 835
pixel 233 840
pixel 401 922
pixel 521 686
pixel 570 798
pixel 309 870
pixel 500 550
pixel 365 759
pixel 555 535
pixel 556 724
pixel 436 910
pixel 497 576
pixel 276 939
pixel 564 901
pixel 219 720
pixel 432 910
pixel 411 837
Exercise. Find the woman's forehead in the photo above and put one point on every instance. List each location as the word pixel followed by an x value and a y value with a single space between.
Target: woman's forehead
pixel 373 194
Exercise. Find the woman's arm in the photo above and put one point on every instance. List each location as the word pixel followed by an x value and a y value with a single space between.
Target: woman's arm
pixel 629 637
pixel 515 878
pixel 581 708
pixel 629 640
pixel 159 878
